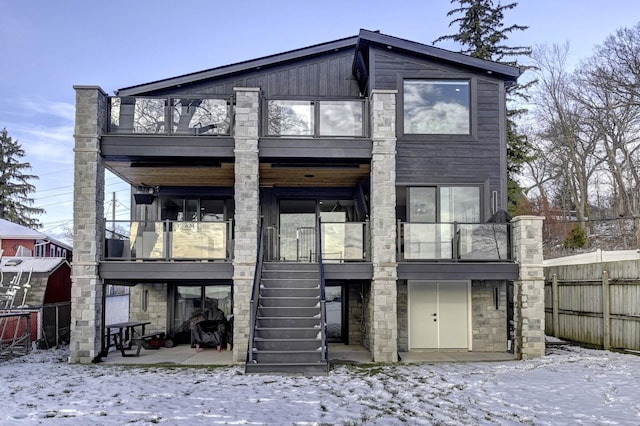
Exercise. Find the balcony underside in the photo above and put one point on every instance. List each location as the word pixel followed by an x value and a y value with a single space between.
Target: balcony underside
pixel 127 272
pixel 458 271
pixel 209 162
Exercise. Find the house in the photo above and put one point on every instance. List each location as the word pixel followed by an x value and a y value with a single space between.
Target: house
pixel 41 286
pixel 18 240
pixel 349 183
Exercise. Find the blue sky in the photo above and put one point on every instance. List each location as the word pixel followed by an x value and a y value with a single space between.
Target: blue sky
pixel 46 47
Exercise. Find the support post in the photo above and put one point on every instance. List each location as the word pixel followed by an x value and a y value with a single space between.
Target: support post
pixel 556 305
pixel 529 288
pixel 247 213
pixel 383 321
pixel 88 226
pixel 606 312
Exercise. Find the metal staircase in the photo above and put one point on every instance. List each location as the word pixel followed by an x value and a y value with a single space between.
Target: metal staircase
pixel 288 335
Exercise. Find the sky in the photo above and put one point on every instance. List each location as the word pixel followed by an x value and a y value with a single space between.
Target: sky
pixel 47 47
pixel 568 386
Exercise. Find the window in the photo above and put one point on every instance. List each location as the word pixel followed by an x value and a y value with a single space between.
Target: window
pixel 436 107
pixel 326 118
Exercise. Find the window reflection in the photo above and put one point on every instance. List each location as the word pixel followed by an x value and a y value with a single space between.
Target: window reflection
pixel 455 204
pixel 290 118
pixel 436 107
pixel 137 115
pixel 341 118
pixel 201 116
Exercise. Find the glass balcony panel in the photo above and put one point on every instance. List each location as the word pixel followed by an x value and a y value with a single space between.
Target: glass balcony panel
pixel 193 116
pixel 199 240
pixel 128 115
pixel 341 118
pixel 485 241
pixel 290 118
pixel 428 241
pixel 147 240
pixel 342 241
pixel 149 116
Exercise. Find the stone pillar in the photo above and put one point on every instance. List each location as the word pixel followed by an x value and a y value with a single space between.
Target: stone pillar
pixel 383 324
pixel 247 213
pixel 88 225
pixel 528 290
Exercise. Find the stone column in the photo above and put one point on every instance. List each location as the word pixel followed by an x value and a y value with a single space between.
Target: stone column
pixel 528 291
pixel 247 213
pixel 383 322
pixel 88 225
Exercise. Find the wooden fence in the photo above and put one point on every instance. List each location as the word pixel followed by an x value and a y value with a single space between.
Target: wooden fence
pixel 596 304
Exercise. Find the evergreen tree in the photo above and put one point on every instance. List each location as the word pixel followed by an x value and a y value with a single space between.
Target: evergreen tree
pixel 15 203
pixel 482 34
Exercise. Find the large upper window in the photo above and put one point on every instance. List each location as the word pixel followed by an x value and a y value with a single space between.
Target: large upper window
pixel 436 107
pixel 325 118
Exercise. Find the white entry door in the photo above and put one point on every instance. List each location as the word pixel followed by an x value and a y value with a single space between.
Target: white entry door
pixel 438 315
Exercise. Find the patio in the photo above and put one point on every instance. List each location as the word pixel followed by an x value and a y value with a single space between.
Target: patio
pixel 338 354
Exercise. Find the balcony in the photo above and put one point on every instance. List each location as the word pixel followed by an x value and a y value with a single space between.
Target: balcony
pixel 458 242
pixel 181 116
pixel 168 241
pixel 341 242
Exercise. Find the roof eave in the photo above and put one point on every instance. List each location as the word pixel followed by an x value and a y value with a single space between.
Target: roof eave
pixel 265 61
pixel 502 71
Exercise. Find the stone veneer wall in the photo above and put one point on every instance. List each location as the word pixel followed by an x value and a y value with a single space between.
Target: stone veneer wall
pixel 247 213
pixel 528 291
pixel 489 325
pixel 156 311
pixel 382 322
pixel 88 213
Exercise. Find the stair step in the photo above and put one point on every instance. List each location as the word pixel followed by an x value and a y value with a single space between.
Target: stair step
pixel 287 345
pixel 288 322
pixel 284 312
pixel 280 282
pixel 287 357
pixel 288 266
pixel 290 292
pixel 299 368
pixel 290 302
pixel 287 333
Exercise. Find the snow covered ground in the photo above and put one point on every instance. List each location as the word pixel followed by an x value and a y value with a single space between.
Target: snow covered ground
pixel 568 386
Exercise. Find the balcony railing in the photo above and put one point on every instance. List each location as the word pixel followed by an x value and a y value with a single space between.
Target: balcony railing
pixel 185 116
pixel 168 240
pixel 341 242
pixel 454 241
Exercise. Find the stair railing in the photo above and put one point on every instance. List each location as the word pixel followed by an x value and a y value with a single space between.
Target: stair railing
pixel 323 304
pixel 253 304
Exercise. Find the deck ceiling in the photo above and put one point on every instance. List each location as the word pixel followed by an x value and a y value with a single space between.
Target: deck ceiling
pixel 222 175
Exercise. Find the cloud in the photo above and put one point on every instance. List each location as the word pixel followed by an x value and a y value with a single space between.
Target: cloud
pixel 63 110
pixel 51 144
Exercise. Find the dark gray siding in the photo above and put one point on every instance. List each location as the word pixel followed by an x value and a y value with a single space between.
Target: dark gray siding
pixel 323 75
pixel 446 159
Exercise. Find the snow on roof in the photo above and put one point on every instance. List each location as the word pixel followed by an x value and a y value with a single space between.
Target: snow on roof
pixel 35 264
pixel 10 230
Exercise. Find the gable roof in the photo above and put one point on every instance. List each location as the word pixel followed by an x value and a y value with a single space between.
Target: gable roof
pixel 498 70
pixel 363 40
pixel 10 230
pixel 35 264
